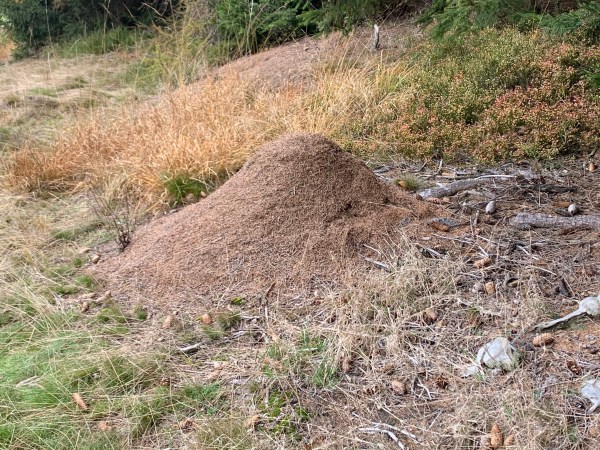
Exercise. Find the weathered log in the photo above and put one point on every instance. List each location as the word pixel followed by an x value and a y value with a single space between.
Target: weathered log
pixel 455 187
pixel 526 221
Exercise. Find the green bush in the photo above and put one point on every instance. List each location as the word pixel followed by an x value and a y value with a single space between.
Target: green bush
pixel 250 25
pixel 580 20
pixel 35 23
pixel 500 94
pixel 253 24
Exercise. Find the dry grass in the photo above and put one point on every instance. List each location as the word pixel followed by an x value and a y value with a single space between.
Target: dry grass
pixel 6 46
pixel 204 131
pixel 6 49
pixel 372 352
pixel 430 102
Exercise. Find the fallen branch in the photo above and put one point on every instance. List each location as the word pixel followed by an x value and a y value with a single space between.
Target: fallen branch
pixel 191 348
pixel 450 189
pixel 526 221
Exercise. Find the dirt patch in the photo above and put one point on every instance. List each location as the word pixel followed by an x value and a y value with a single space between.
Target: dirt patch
pixel 295 63
pixel 301 212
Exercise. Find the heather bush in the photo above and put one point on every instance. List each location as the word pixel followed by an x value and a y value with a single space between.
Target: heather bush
pixel 501 94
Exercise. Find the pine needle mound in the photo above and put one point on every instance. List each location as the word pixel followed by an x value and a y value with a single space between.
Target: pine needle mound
pixel 298 213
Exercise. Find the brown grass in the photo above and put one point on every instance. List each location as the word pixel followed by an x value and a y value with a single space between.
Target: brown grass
pixel 203 130
pixel 6 47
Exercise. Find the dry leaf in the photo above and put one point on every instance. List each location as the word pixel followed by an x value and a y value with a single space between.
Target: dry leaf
pixel 399 387
pixel 371 389
pixel 543 339
pixel 496 438
pixel 168 322
pixel 439 226
pixel 490 288
pixel 79 401
pixel 574 367
pixel 206 319
pixel 429 315
pixel 481 263
pixel 346 364
pixel 104 426
pixel 252 421
pixel 187 425
pixel 441 382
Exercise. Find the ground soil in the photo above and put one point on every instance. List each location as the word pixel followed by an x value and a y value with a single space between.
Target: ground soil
pixel 295 63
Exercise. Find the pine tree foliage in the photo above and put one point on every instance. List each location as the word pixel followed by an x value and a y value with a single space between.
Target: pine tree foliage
pixel 568 19
pixel 34 23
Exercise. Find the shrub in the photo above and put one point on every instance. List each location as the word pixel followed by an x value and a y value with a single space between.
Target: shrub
pixel 250 25
pixel 501 94
pixel 561 18
pixel 35 23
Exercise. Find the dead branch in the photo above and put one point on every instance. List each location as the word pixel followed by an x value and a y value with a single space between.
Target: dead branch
pixel 375 38
pixel 526 221
pixel 450 189
pixel 191 348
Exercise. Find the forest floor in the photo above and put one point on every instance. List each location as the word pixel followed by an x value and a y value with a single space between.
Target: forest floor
pixel 377 362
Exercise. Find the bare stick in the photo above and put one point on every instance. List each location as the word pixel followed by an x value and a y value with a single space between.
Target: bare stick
pixel 450 189
pixel 191 348
pixel 378 264
pixel 526 220
pixel 391 435
pixel 375 38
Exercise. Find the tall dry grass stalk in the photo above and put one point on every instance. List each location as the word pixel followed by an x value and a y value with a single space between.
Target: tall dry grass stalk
pixel 205 130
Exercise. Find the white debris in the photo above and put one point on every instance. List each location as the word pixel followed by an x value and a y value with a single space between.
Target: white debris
pixel 498 353
pixel 589 305
pixel 573 209
pixel 591 390
pixel 490 208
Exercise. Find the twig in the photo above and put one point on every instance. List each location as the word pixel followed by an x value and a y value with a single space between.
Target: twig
pixel 399 430
pixel 191 348
pixel 391 435
pixel 430 250
pixel 527 221
pixel 378 264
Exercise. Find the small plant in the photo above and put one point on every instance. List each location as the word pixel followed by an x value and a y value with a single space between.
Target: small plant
pixel 223 323
pixel 85 281
pixel 228 320
pixel 207 398
pixel 181 187
pixel 238 301
pixel 140 312
pixel 116 208
pixel 410 183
